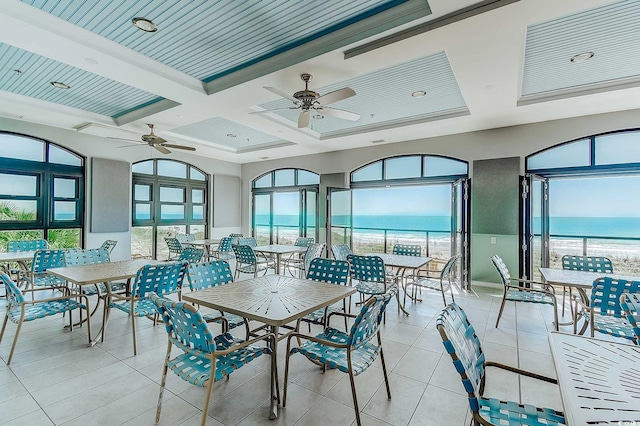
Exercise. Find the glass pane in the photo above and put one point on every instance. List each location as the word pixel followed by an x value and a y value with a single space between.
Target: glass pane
pixel 308 178
pixel 618 148
pixel 196 174
pixel 5 236
pixel 574 154
pixel 171 212
pixel 403 167
pixel 286 216
pixel 141 242
pixel 63 238
pixel 162 251
pixel 145 167
pixel 22 185
pixel 311 214
pixel 197 195
pixel 18 210
pixel 197 230
pixel 143 212
pixel 198 212
pixel 142 192
pixel 62 156
pixel 174 195
pixel 263 182
pixel 64 188
pixel 64 210
pixel 438 166
pixel 284 177
pixel 172 169
pixel 21 148
pixel 370 172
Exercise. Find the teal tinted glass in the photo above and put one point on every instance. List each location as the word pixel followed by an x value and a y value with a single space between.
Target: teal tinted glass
pixel 439 166
pixel 174 195
pixel 284 177
pixel 618 148
pixel 64 188
pixel 197 196
pixel 574 154
pixel 142 192
pixel 18 185
pixel 308 178
pixel 145 167
pixel 143 211
pixel 263 182
pixel 196 174
pixel 21 148
pixel 370 172
pixel 64 210
pixel 172 169
pixel 198 212
pixel 62 156
pixel 403 167
pixel 171 212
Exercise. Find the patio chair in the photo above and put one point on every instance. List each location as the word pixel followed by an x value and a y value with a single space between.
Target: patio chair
pixel 327 271
pixel 352 352
pixel 175 248
pixel 604 313
pixel 462 343
pixel 301 265
pixel 43 260
pixel 295 260
pixel 402 250
pixel 27 245
pixel 212 274
pixel 584 263
pixel 204 359
pixel 224 250
pixel 163 278
pixel 185 238
pixel 248 263
pixel 191 255
pixel 340 251
pixel 19 310
pixel 109 245
pixel 371 277
pixel 632 314
pixel 441 283
pixel 247 241
pixel 526 291
pixel 235 238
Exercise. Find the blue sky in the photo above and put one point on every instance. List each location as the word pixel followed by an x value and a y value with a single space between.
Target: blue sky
pixel 432 200
pixel 616 196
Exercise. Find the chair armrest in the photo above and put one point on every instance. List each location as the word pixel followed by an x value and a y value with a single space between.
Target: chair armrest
pixel 544 286
pixel 49 287
pixel 315 339
pixel 342 314
pixel 268 336
pixel 52 299
pixel 523 372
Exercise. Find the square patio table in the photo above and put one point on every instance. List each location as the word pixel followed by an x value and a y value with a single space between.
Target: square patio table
pixel 599 380
pixel 279 250
pixel 273 300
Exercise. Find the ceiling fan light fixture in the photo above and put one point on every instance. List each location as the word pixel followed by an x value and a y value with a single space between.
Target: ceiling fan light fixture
pixel 419 93
pixel 318 116
pixel 145 25
pixel 582 57
pixel 60 85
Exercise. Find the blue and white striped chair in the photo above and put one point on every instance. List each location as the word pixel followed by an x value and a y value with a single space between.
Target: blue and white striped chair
pixel 43 260
pixel 191 255
pixel 204 359
pixel 630 305
pixel 19 310
pixel 327 271
pixel 460 341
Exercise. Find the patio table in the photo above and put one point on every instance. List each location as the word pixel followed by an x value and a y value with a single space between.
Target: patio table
pixel 273 300
pixel 279 250
pixel 598 380
pixel 206 244
pixel 19 257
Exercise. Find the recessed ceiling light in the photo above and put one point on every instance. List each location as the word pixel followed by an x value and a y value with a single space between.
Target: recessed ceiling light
pixel 60 85
pixel 418 93
pixel 231 135
pixel 18 72
pixel 91 61
pixel 145 24
pixel 318 116
pixel 581 57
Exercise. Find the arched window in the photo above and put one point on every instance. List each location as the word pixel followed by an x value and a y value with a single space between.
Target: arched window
pixel 169 197
pixel 41 191
pixel 285 206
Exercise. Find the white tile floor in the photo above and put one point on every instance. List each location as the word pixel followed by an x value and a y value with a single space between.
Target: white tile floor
pixel 56 379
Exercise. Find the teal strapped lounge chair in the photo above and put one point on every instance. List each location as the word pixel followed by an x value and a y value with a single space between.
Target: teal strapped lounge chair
pixel 630 305
pixel 205 359
pixel 350 353
pixel 460 341
pixel 20 310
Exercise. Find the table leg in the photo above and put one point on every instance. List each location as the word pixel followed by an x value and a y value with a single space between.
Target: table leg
pixel 278 256
pixel 585 302
pixel 275 392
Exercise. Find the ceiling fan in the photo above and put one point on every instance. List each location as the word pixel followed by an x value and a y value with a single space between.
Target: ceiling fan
pixel 308 101
pixel 155 141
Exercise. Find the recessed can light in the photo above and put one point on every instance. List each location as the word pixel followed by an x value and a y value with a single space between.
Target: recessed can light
pixel 318 116
pixel 418 93
pixel 231 135
pixel 581 57
pixel 91 61
pixel 60 85
pixel 145 25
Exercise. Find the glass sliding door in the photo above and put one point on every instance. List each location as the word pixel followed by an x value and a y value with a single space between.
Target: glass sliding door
pixel 311 213
pixel 339 215
pixel 535 224
pixel 279 217
pixel 460 226
pixel 262 218
pixel 287 217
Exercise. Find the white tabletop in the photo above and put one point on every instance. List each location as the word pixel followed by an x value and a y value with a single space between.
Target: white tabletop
pixel 280 249
pixel 206 242
pixel 101 272
pixel 579 279
pixel 402 261
pixel 599 380
pixel 16 256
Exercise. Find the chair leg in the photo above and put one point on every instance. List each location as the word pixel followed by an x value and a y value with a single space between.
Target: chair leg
pixel 4 325
pixel 384 370
pixel 163 381
pixel 355 398
pixel 15 338
pixel 504 299
pixel 212 380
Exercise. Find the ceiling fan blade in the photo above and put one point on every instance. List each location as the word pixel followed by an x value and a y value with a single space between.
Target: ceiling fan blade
pixel 272 110
pixel 186 148
pixel 162 149
pixel 128 146
pixel 336 95
pixel 281 93
pixel 123 139
pixel 339 113
pixel 303 119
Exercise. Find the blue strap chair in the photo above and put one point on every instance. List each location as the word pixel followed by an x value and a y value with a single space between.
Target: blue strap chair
pixel 303 241
pixel 604 313
pixel 584 263
pixel 19 310
pixel 327 271
pixel 350 353
pixel 109 245
pixel 371 276
pixel 163 279
pixel 295 260
pixel 248 263
pixel 630 305
pixel 460 341
pixel 27 245
pixel 301 264
pixel 407 249
pixel 526 291
pixel 43 260
pixel 247 241
pixel 340 251
pixel 443 282
pixel 191 255
pixel 224 250
pixel 235 238
pixel 204 359
pixel 212 274
pixel 175 248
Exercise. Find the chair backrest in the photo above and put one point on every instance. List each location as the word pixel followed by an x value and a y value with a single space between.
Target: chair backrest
pixel 340 251
pixel 108 245
pixel 303 242
pixel 235 238
pixel 174 245
pixel 225 245
pixel 632 315
pixel 185 238
pixel 209 274
pixel 74 257
pixel 191 254
pixel 368 321
pixel 329 271
pixel 606 292
pixel 14 294
pixel 587 263
pixel 186 328
pixel 407 249
pixel 45 259
pixel 247 241
pixel 502 269
pixel 163 278
pixel 27 245
pixel 244 254
pixel 315 250
pixel 461 342
pixel 367 268
pixel 448 270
